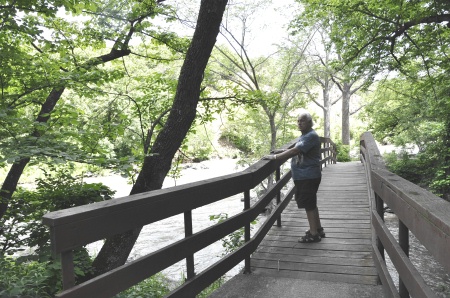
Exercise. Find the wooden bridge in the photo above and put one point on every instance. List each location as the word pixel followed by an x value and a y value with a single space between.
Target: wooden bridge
pixel 343 257
pixel 349 262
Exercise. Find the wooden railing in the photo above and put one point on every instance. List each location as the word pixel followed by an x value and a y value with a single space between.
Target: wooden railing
pixel 328 151
pixel 78 226
pixel 419 211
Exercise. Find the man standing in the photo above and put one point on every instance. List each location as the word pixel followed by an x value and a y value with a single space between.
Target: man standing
pixel 306 173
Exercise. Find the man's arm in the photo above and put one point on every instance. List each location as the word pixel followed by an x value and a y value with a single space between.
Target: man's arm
pixel 283 153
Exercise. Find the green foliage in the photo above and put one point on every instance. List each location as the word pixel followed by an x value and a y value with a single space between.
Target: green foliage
pixel 386 34
pixel 412 169
pixel 406 113
pixel 232 138
pixel 419 169
pixel 409 41
pixel 37 272
pixel 267 89
pixel 57 190
pixel 154 287
pixel 46 49
pixel 38 275
pixel 211 288
pixel 25 279
pixel 440 184
pixel 208 290
pixel 234 240
pixel 199 143
pixel 247 131
pixel 443 290
pixel 343 152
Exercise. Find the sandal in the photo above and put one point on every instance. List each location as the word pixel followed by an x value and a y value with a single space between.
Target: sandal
pixel 320 231
pixel 310 238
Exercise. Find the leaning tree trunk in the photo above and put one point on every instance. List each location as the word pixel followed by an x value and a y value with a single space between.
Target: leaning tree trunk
pixel 15 172
pixel 157 164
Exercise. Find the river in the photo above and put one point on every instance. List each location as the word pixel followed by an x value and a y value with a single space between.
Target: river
pixel 157 235
pixel 432 271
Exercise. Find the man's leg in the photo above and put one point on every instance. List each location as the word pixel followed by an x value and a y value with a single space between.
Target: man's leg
pixel 313 215
pixel 313 234
pixel 308 198
pixel 317 217
pixel 313 220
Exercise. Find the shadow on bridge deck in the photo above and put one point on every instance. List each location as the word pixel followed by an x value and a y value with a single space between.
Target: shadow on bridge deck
pixel 340 265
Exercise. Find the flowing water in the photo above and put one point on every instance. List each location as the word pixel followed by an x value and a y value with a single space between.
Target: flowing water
pixel 165 232
pixel 432 271
pixel 160 234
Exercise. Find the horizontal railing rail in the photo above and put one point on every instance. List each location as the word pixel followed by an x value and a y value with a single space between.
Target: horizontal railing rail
pixel 419 211
pixel 79 226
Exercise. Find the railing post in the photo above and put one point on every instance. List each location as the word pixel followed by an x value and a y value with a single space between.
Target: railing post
pixel 329 152
pixel 334 153
pixel 67 268
pixel 188 232
pixel 380 211
pixel 403 240
pixel 277 178
pixel 247 230
pixel 323 155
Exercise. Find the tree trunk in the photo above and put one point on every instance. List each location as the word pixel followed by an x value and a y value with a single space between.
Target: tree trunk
pixel 15 172
pixel 446 188
pixel 326 110
pixel 273 131
pixel 156 165
pixel 346 93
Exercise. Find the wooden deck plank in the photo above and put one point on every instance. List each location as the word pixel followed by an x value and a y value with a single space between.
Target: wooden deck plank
pixel 330 234
pixel 282 264
pixel 344 225
pixel 314 252
pixel 345 255
pixel 325 246
pixel 295 258
pixel 343 278
pixel 331 240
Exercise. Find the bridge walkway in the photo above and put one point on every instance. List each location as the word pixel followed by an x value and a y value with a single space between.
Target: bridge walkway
pixel 341 265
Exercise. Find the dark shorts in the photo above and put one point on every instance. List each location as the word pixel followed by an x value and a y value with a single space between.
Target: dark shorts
pixel 306 193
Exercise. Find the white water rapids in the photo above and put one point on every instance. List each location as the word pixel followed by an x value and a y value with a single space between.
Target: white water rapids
pixel 157 235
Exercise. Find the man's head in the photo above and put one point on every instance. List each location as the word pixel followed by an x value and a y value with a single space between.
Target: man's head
pixel 304 122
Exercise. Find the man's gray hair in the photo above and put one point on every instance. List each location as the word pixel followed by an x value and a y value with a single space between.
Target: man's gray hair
pixel 307 116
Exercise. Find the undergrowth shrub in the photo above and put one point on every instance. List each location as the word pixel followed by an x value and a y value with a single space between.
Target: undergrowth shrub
pixel 423 169
pixel 406 167
pixel 236 140
pixel 154 287
pixel 23 233
pixel 26 279
pixel 343 152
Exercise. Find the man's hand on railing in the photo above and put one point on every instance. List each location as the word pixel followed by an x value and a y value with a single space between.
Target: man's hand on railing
pixel 273 154
pixel 276 151
pixel 270 157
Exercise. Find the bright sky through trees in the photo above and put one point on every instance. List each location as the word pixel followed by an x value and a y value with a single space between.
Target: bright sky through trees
pixel 268 24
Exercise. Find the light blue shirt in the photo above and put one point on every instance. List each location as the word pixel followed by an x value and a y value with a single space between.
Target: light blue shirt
pixel 306 165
